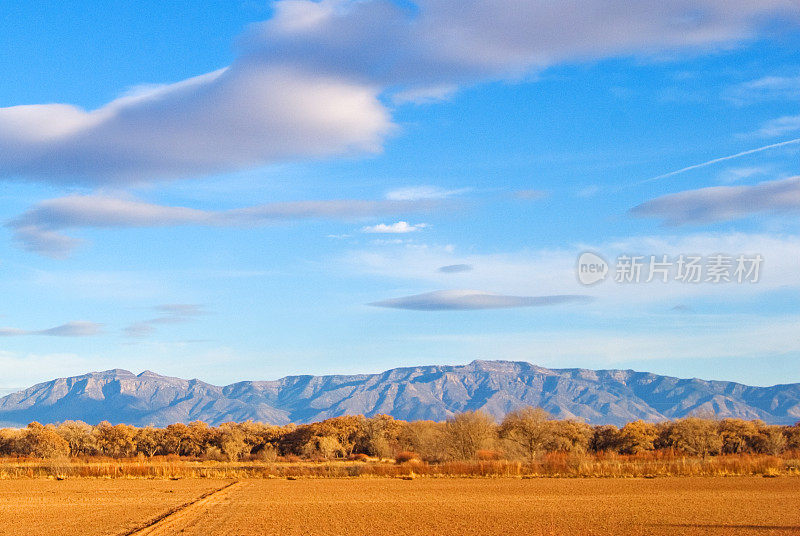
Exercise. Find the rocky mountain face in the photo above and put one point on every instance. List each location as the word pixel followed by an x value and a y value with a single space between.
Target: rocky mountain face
pixel 428 392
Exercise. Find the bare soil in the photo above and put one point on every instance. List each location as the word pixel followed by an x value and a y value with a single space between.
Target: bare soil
pixel 386 506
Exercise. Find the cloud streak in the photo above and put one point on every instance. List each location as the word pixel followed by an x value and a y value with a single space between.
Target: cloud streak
pixel 455 268
pixel 400 227
pixel 465 300
pixel 723 203
pixel 78 328
pixel 40 228
pixel 416 193
pixel 170 314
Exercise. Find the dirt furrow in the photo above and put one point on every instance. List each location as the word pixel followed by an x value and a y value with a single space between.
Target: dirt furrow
pixel 171 521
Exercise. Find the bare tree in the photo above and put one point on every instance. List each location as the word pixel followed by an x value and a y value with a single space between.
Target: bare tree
pixel 469 432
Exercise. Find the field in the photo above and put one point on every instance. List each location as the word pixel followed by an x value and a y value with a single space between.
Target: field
pixel 91 506
pixel 396 507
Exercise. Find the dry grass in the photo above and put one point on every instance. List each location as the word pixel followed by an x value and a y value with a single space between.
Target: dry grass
pixel 657 463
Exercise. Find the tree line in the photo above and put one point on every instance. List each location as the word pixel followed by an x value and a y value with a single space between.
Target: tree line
pixel 524 434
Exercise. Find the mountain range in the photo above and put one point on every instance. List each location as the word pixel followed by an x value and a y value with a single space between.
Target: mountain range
pixel 411 393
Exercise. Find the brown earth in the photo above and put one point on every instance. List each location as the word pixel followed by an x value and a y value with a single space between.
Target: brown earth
pixel 91 506
pixel 423 506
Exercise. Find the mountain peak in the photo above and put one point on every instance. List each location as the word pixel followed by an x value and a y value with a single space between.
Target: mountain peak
pixel 426 392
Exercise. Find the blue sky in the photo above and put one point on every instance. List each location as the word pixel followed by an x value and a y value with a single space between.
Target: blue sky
pixel 259 189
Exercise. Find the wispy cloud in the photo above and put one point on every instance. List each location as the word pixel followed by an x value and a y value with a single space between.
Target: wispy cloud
pixel 723 203
pixel 765 88
pixel 733 175
pixel 460 300
pixel 170 314
pixel 39 228
pixel 781 126
pixel 400 227
pixel 78 328
pixel 425 95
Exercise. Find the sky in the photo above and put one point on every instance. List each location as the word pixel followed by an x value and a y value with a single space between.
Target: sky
pixel 255 189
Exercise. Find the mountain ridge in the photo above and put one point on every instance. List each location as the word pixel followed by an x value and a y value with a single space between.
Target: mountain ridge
pixel 434 392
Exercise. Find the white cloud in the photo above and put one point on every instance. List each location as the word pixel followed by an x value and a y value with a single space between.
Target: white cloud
pixel 723 203
pixel 439 43
pixel 462 300
pixel 78 328
pixel 400 227
pixel 38 228
pixel 244 116
pixel 308 82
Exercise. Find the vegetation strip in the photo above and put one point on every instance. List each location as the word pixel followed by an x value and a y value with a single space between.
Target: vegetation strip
pixel 528 442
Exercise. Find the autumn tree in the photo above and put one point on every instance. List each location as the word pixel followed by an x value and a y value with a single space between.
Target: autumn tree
pixel 78 436
pixel 10 441
pixel 186 440
pixel 793 437
pixel 570 435
pixel 149 441
pixel 44 442
pixel 379 434
pixel 637 436
pixel 345 430
pixel 529 428
pixel 427 439
pixel 737 435
pixel 605 438
pixel 694 435
pixel 114 440
pixel 232 441
pixel 469 432
pixel 770 440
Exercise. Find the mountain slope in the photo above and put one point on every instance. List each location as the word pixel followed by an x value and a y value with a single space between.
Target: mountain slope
pixel 428 392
